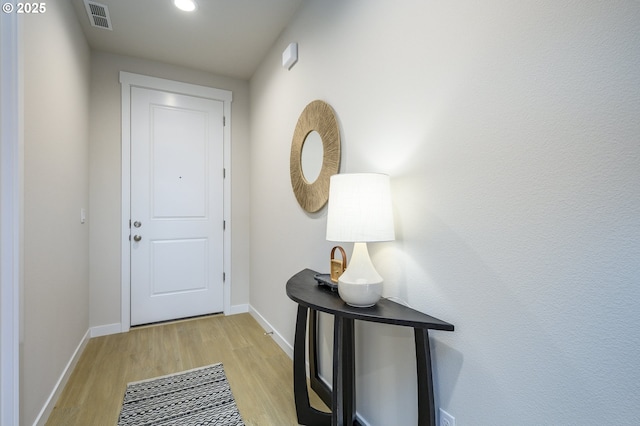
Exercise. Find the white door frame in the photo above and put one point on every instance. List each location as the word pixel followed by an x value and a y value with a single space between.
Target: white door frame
pixel 11 167
pixel 127 81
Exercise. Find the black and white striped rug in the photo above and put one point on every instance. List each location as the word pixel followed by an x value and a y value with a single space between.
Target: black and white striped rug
pixel 201 396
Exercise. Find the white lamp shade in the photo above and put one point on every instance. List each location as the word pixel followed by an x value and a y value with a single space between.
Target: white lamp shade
pixel 360 208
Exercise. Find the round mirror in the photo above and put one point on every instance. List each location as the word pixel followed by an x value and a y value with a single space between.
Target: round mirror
pixel 311 156
pixel 311 187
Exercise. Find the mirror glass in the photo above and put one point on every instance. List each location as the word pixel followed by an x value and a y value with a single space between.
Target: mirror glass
pixel 311 159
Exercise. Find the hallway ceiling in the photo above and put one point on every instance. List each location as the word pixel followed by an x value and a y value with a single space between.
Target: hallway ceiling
pixel 225 37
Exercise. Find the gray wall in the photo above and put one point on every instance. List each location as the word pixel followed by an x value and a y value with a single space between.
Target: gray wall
pixel 511 134
pixel 55 311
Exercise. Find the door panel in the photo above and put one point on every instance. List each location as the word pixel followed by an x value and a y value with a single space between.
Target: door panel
pixel 179 185
pixel 171 260
pixel 177 201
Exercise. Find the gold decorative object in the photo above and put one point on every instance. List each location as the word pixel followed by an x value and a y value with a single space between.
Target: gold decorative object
pixel 318 116
pixel 337 265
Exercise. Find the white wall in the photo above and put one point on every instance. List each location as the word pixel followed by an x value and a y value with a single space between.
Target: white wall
pixel 511 134
pixel 55 314
pixel 105 176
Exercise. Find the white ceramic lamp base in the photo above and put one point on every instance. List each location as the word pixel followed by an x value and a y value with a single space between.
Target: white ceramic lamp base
pixel 360 285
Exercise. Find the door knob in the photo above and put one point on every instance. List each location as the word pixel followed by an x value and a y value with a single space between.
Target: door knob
pixel 137 238
pixel 137 224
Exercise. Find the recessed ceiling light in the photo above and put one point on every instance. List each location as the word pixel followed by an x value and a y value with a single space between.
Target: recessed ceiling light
pixel 186 5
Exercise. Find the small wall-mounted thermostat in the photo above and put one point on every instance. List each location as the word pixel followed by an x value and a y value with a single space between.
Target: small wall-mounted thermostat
pixel 290 56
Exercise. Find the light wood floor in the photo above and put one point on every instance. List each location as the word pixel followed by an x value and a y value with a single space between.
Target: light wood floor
pixel 259 372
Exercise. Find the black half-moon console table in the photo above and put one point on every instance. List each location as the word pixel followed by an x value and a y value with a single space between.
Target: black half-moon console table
pixel 312 298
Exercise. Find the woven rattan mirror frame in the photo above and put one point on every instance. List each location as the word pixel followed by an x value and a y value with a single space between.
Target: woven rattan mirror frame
pixel 318 116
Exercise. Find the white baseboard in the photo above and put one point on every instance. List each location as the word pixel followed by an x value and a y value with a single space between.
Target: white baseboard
pixel 277 337
pixel 105 330
pixel 43 416
pixel 238 309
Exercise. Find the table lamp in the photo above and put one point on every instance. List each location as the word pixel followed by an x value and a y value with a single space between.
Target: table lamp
pixel 360 212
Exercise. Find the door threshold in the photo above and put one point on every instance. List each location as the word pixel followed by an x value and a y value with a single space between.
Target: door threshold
pixel 176 321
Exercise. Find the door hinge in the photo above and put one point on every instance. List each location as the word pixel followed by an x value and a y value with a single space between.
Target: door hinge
pixel 224 173
pixel 224 225
pixel 224 277
pixel 129 223
pixel 224 121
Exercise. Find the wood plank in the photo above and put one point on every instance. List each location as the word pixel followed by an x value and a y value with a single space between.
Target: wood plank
pixel 260 373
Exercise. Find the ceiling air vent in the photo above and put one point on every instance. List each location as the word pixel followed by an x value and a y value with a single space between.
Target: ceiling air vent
pixel 98 15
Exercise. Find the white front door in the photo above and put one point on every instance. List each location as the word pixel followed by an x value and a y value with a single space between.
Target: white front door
pixel 176 206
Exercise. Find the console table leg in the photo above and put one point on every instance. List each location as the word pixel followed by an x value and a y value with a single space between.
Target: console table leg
pixel 426 407
pixel 343 398
pixel 320 387
pixel 307 415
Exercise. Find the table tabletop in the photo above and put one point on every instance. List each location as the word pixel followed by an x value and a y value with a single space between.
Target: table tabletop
pixel 303 289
